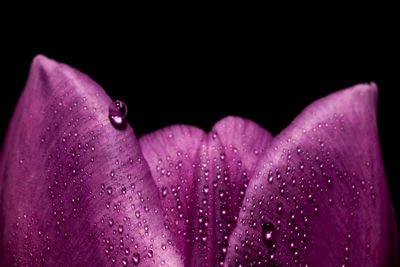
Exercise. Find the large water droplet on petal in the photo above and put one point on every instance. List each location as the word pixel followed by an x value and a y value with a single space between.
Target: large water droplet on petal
pixel 117 112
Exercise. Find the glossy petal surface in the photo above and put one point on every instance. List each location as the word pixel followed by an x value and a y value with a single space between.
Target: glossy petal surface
pixel 319 196
pixel 202 179
pixel 76 191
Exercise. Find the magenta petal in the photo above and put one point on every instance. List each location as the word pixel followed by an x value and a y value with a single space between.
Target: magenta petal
pixel 172 154
pixel 319 196
pixel 202 179
pixel 75 191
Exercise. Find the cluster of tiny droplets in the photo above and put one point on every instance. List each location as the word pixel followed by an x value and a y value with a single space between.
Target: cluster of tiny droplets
pixel 290 195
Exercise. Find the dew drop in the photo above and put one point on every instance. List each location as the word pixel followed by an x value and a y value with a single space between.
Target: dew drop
pixel 164 191
pixel 150 254
pixel 137 214
pixel 117 112
pixel 224 211
pixel 292 244
pixel 279 208
pixel 136 258
pixel 268 233
pixel 301 166
pixel 120 229
pixel 109 190
pixel 205 189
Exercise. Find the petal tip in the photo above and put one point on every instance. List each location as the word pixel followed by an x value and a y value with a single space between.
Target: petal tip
pixel 363 96
pixel 373 85
pixel 370 91
pixel 227 120
pixel 40 68
pixel 363 88
pixel 42 61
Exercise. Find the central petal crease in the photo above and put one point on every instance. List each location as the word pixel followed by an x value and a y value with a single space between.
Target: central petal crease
pixel 202 180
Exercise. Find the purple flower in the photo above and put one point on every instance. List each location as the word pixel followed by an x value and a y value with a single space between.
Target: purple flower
pixel 78 189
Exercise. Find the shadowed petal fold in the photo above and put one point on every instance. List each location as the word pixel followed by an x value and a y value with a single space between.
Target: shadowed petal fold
pixel 202 179
pixel 319 195
pixel 75 191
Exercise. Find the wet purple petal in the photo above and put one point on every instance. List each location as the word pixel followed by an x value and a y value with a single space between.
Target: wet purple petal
pixel 319 196
pixel 76 191
pixel 202 179
pixel 172 154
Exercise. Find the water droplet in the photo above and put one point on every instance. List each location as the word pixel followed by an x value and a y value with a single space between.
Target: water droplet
pixel 137 214
pixel 279 208
pixel 123 190
pixel 136 258
pixel 268 233
pixel 109 190
pixel 205 189
pixel 150 254
pixel 224 211
pixel 164 191
pixel 117 112
pixel 120 229
pixel 292 244
pixel 301 166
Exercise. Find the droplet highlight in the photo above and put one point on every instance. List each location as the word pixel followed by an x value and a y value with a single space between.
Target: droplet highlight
pixel 136 258
pixel 268 233
pixel 117 112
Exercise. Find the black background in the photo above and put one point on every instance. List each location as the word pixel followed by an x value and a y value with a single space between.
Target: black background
pixel 196 75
